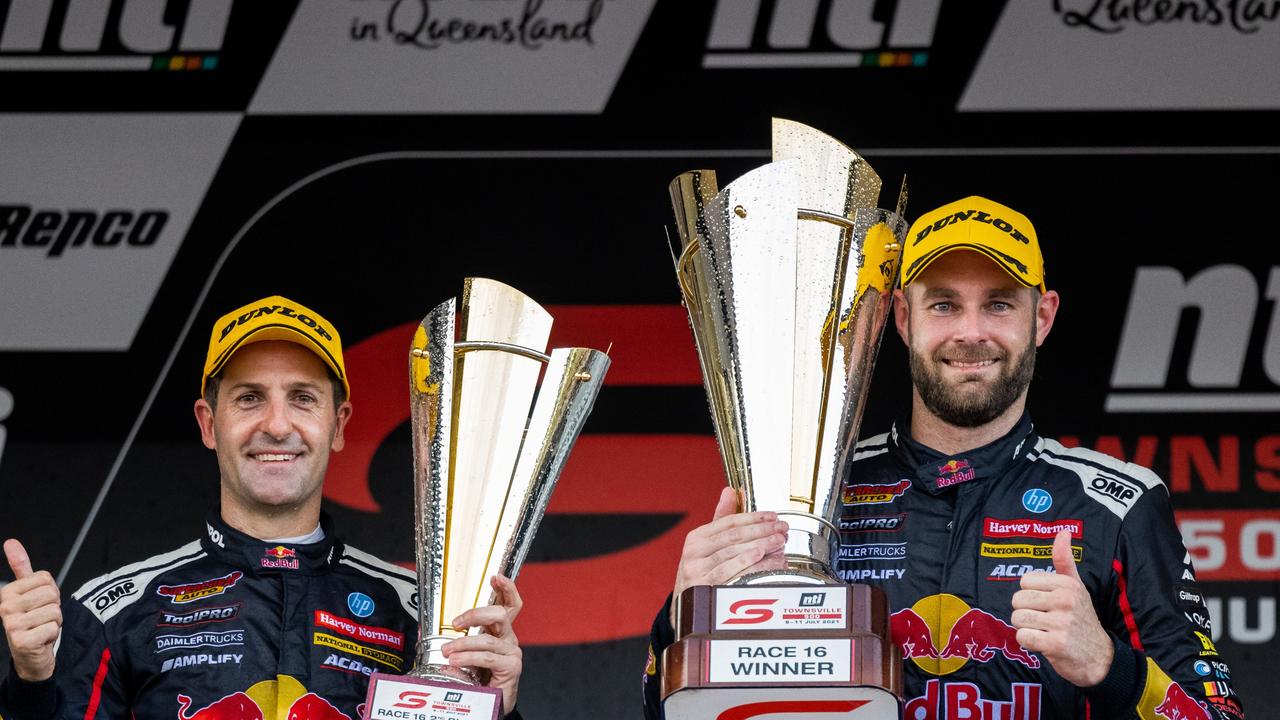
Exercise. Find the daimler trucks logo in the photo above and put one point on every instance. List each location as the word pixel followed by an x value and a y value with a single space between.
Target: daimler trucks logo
pixel 1223 302
pixel 807 34
pixel 124 35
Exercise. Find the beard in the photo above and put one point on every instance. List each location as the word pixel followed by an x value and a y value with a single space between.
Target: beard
pixel 968 407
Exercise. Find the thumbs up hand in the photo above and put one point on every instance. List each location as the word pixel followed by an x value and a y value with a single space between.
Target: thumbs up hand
pixel 31 609
pixel 1055 617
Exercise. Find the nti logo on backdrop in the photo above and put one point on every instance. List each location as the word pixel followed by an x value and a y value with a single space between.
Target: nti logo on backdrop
pixel 122 35
pixel 809 33
pixel 1225 299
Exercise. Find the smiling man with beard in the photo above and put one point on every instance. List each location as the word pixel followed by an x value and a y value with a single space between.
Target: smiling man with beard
pixel 1026 579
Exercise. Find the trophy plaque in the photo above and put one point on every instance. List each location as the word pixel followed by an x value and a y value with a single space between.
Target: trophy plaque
pixel 787 274
pixel 489 443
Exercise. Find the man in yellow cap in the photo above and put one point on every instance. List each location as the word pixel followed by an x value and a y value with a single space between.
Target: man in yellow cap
pixel 1027 580
pixel 267 615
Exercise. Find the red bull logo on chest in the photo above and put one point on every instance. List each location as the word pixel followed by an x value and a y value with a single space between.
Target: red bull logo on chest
pixel 284 698
pixel 941 633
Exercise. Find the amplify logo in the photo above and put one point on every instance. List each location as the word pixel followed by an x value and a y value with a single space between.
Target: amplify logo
pixel 1113 16
pixel 807 34
pixel 280 558
pixel 1223 301
pixel 125 35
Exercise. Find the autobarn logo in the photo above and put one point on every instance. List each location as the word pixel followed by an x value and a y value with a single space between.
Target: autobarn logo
pixel 1114 16
pixel 198 617
pixel 125 35
pixel 874 494
pixel 54 232
pixel 114 594
pixel 836 34
pixel 191 592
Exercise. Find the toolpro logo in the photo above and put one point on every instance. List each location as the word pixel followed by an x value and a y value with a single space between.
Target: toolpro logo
pixel 125 35
pixel 200 590
pixel 280 557
pixel 809 34
pixel 1222 303
pixel 941 633
pixel 868 494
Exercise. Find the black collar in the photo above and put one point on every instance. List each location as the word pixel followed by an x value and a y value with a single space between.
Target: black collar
pixel 261 557
pixel 936 473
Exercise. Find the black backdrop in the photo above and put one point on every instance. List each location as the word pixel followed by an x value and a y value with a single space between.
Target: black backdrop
pixel 289 157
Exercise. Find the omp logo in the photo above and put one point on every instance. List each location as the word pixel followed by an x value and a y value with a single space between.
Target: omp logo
pixel 1114 488
pixel 810 33
pixel 1224 300
pixel 113 594
pixel 750 612
pixel 119 35
pixel 54 231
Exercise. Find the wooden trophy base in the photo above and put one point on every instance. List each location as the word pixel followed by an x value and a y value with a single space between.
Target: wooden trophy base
pixel 747 650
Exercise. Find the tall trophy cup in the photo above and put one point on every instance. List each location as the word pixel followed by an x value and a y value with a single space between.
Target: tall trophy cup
pixel 787 274
pixel 489 443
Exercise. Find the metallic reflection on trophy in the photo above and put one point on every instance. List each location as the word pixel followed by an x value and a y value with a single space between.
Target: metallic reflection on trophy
pixel 787 274
pixel 489 442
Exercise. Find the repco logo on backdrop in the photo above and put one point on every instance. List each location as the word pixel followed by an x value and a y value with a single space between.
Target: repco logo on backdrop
pixel 56 231
pixel 809 33
pixel 36 38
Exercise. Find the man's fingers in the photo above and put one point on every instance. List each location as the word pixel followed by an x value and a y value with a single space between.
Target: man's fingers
pixel 508 595
pixel 1046 581
pixel 726 505
pixel 1032 600
pixel 1063 561
pixel 489 616
pixel 747 533
pixel 480 643
pixel 732 561
pixel 26 599
pixel 732 520
pixel 30 621
pixel 19 563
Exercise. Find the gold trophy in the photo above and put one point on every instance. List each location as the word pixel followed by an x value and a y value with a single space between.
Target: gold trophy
pixel 489 443
pixel 787 274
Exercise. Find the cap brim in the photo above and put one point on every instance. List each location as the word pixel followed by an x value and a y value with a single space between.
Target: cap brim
pixel 1016 268
pixel 286 333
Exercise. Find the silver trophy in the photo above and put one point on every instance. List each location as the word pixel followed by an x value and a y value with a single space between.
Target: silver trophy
pixel 787 274
pixel 489 443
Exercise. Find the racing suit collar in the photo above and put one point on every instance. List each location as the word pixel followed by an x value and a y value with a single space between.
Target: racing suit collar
pixel 262 557
pixel 936 473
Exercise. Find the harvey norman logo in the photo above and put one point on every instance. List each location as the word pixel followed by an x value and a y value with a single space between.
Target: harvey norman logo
pixel 1222 303
pixel 125 35
pixel 807 34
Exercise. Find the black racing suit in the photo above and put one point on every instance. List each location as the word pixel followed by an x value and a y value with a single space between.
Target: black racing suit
pixel 229 628
pixel 948 539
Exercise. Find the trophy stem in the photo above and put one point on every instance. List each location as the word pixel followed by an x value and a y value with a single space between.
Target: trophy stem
pixel 810 553
pixel 432 664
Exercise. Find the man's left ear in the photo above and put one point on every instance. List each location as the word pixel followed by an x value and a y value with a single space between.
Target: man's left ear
pixel 1046 311
pixel 344 414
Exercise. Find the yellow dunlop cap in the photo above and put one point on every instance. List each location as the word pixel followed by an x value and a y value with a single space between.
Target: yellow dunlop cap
pixel 274 318
pixel 981 225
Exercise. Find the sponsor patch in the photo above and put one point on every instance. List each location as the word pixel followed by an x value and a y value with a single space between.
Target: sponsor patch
pixel 874 551
pixel 191 592
pixel 651 665
pixel 1014 571
pixel 1031 528
pixel 1206 645
pixel 228 638
pixel 362 605
pixel 198 617
pixel 966 700
pixel 280 558
pixel 351 665
pixel 1044 552
pixel 200 659
pixel 954 472
pixel 863 574
pixel 1114 489
pixel 1188 598
pixel 367 633
pixel 874 494
pixel 215 535
pixel 873 523
pixel 114 594
pixel 383 657
pixel 1037 500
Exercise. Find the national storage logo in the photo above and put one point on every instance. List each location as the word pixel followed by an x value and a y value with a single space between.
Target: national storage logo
pixel 124 35
pixel 809 34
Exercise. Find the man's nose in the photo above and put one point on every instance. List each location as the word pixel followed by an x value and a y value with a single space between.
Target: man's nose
pixel 276 422
pixel 970 327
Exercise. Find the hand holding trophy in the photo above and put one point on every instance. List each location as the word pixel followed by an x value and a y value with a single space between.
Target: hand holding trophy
pixel 489 444
pixel 787 274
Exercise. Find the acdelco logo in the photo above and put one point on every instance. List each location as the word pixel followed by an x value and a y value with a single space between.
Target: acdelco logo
pixel 1225 299
pixel 56 230
pixel 413 699
pixel 141 31
pixel 750 612
pixel 839 33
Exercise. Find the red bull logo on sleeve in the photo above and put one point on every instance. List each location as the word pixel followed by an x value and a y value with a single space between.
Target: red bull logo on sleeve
pixel 1178 705
pixel 941 633
pixel 874 494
